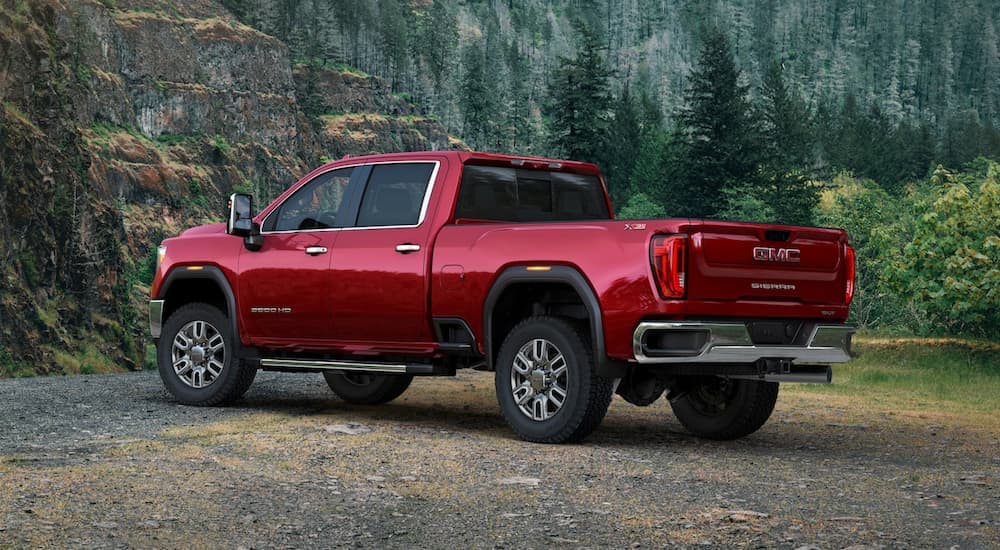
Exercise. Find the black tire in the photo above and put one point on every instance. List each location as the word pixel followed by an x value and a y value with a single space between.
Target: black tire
pixel 232 380
pixel 367 389
pixel 586 396
pixel 723 409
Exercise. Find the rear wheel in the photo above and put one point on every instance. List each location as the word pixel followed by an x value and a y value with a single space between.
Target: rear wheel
pixel 196 357
pixel 367 389
pixel 546 382
pixel 724 408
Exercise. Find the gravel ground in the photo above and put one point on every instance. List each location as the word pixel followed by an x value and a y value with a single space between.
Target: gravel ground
pixel 112 461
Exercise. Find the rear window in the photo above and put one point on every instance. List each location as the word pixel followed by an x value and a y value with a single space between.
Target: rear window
pixel 395 194
pixel 517 195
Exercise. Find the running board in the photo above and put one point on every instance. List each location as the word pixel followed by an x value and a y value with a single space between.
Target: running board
pixel 318 365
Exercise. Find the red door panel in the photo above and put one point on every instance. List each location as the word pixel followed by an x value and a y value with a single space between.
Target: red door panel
pixel 379 294
pixel 284 291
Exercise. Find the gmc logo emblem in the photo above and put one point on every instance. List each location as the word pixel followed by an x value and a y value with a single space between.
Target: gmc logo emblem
pixel 768 254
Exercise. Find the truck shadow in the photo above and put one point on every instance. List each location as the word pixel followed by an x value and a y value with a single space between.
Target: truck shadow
pixel 467 404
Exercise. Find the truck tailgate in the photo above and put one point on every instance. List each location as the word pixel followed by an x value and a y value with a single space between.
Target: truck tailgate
pixel 739 261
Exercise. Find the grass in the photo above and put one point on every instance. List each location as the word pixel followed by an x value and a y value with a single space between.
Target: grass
pixel 174 139
pixel 918 374
pixel 149 358
pixel 13 368
pixel 223 147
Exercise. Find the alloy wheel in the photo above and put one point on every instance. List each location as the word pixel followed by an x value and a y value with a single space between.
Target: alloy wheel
pixel 198 354
pixel 539 379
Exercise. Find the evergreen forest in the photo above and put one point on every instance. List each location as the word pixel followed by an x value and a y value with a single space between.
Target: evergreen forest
pixel 879 116
pixel 124 122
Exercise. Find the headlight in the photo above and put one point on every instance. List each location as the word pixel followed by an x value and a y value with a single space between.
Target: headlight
pixel 161 251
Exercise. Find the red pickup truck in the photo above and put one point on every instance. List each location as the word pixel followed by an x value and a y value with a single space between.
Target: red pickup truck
pixel 375 269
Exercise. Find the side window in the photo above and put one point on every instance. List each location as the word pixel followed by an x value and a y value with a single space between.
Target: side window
pixel 314 206
pixel 394 194
pixel 508 194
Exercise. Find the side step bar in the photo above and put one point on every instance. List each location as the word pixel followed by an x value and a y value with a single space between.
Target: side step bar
pixel 319 365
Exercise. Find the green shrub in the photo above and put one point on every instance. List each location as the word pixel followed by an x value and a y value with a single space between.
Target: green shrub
pixel 641 207
pixel 950 269
pixel 877 226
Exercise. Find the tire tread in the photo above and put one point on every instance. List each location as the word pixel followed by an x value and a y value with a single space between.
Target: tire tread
pixel 762 397
pixel 233 386
pixel 584 420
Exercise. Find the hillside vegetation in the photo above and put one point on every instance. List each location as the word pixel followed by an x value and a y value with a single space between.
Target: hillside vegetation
pixel 125 121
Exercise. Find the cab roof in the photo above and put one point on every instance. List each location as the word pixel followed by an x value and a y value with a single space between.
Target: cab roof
pixel 487 159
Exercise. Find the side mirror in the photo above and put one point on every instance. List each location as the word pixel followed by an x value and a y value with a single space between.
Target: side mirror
pixel 254 241
pixel 240 215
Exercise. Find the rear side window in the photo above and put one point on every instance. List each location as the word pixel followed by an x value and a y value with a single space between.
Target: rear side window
pixel 395 194
pixel 511 194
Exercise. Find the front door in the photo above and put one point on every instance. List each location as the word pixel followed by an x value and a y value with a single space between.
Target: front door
pixel 380 268
pixel 284 287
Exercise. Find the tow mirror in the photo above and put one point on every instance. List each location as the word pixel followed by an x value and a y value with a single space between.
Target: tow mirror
pixel 240 215
pixel 254 241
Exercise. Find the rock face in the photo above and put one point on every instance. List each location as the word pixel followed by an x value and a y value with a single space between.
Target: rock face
pixel 124 122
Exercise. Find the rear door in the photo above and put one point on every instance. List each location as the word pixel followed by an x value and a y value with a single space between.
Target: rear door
pixel 379 288
pixel 736 261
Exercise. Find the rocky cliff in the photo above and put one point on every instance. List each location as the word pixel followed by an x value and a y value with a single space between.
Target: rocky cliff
pixel 124 122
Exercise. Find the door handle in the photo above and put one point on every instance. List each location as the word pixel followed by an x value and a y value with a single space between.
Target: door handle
pixel 315 250
pixel 406 248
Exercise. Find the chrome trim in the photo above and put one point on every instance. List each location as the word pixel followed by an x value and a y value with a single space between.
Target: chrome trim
pixel 423 206
pixel 315 250
pixel 731 343
pixel 334 365
pixel 407 248
pixel 155 318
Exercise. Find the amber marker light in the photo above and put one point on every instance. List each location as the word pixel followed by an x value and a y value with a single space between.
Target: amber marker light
pixel 539 268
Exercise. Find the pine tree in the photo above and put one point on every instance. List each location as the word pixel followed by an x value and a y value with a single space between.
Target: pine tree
pixel 395 40
pixel 439 38
pixel 787 131
pixel 580 101
pixel 785 195
pixel 658 163
pixel 520 129
pixel 722 137
pixel 477 99
pixel 624 139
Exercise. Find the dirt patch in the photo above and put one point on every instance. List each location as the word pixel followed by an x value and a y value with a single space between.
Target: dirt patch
pixel 112 461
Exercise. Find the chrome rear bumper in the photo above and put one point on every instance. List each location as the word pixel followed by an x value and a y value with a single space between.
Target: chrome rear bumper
pixel 731 343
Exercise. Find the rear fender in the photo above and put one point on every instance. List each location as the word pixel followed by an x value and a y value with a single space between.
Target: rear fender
pixel 556 274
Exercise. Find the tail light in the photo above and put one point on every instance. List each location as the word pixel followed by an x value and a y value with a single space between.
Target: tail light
pixel 668 256
pixel 849 283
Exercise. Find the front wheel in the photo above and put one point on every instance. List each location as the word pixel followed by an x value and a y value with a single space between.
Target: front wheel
pixel 367 389
pixel 546 382
pixel 723 408
pixel 196 357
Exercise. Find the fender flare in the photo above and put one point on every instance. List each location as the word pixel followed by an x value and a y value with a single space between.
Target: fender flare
pixel 557 274
pixel 210 273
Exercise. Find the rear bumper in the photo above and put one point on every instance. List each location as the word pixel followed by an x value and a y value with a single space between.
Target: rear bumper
pixel 711 342
pixel 155 318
